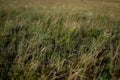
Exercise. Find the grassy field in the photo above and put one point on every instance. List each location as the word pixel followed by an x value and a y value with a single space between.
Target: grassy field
pixel 59 39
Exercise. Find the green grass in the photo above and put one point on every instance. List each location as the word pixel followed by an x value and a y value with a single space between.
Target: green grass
pixel 61 42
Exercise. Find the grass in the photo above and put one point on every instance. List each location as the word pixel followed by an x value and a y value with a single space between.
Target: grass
pixel 59 40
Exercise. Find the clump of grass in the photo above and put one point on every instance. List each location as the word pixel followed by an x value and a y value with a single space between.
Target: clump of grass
pixel 62 44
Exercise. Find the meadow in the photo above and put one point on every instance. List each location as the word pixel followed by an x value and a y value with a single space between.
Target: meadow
pixel 59 39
